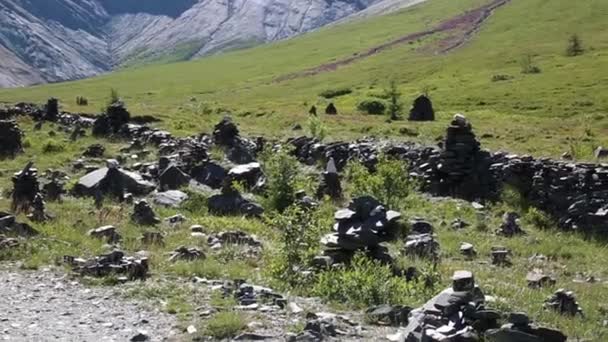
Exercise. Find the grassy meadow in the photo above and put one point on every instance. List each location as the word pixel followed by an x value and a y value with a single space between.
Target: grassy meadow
pixel 562 108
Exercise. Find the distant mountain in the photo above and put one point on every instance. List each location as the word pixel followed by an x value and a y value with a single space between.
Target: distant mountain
pixel 55 40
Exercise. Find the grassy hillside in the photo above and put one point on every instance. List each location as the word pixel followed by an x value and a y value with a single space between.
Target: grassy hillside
pixel 536 113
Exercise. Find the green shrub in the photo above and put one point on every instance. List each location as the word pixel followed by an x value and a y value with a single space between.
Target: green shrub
pixel 390 184
pixel 51 146
pixel 498 78
pixel 374 107
pixel 539 218
pixel 527 65
pixel 394 101
pixel 575 46
pixel 363 283
pixel 225 325
pixel 281 171
pixel 331 93
pixel 316 128
pixel 299 242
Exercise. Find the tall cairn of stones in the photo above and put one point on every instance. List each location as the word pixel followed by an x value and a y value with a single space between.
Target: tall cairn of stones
pixel 462 169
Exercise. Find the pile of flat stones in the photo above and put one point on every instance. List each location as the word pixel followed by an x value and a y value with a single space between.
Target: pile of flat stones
pixel 564 302
pixel 363 226
pixel 10 139
pixel 329 184
pixel 422 109
pixel 107 233
pixel 114 263
pixel 421 242
pixel 25 188
pixel 461 169
pixel 6 242
pixel 113 121
pixel 510 225
pixel 10 226
pixel 460 313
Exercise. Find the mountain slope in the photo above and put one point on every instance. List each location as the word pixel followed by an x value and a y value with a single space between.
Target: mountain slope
pixel 55 40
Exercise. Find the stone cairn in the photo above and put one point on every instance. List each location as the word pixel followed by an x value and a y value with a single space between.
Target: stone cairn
pixel 421 242
pixel 113 263
pixel 330 182
pixel 10 139
pixel 331 109
pixel 39 213
pixel 500 256
pixel 52 109
pixel 422 109
pixel 143 214
pixel 461 169
pixel 564 302
pixel 25 188
pixel 112 121
pixel 363 226
pixel 459 313
pixel 510 225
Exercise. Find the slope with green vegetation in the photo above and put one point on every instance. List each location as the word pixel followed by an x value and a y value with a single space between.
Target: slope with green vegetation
pixel 542 113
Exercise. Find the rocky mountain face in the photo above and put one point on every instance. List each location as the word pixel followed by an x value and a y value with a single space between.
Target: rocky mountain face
pixel 54 40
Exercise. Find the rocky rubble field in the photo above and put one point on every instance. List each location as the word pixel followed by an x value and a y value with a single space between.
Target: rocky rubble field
pixel 222 236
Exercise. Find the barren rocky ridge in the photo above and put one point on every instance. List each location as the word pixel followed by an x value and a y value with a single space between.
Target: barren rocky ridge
pixel 49 41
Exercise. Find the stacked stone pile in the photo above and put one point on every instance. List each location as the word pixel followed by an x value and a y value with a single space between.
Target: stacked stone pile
pixel 10 139
pixel 25 188
pixel 363 226
pixel 422 109
pixel 461 169
pixel 460 313
pixel 113 263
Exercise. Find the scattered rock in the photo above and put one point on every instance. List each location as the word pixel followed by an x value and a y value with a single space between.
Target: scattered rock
pixel 112 180
pixel 143 214
pixel 94 151
pixel 500 256
pixel 186 254
pixel 170 198
pixel 537 279
pixel 107 233
pixel 172 178
pixel 113 263
pixel 388 314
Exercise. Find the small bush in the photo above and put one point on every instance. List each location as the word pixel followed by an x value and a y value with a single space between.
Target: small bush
pixel 51 146
pixel 316 128
pixel 575 46
pixel 300 233
pixel 114 97
pixel 539 218
pixel 394 101
pixel 225 325
pixel 374 107
pixel 281 171
pixel 332 93
pixel 527 65
pixel 499 78
pixel 364 283
pixel 82 101
pixel 390 184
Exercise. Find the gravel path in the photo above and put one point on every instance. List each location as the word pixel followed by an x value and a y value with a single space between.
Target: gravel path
pixel 48 306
